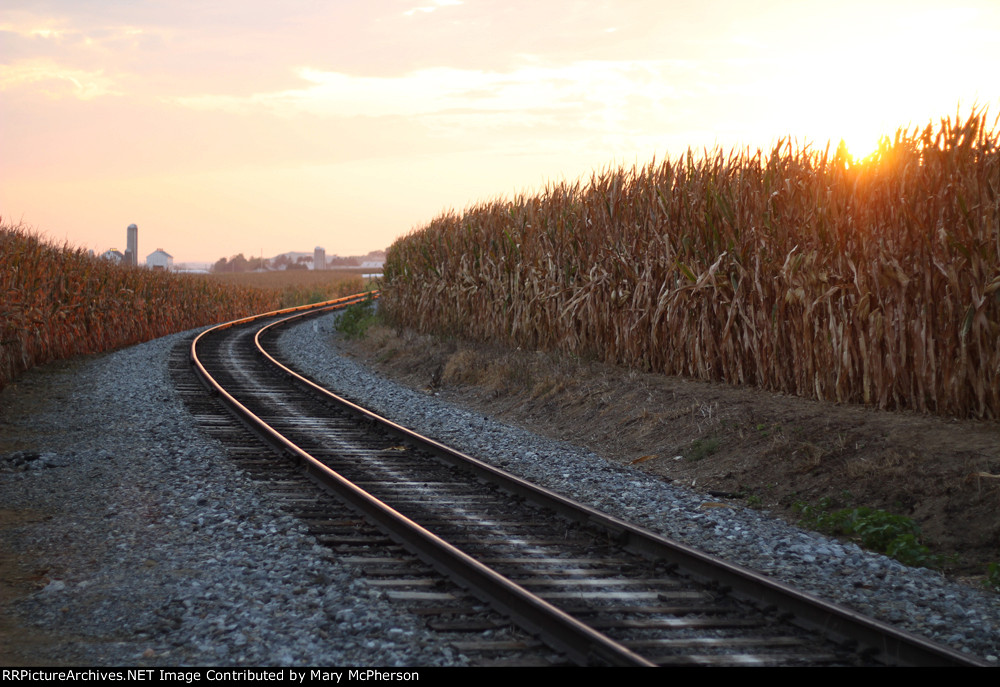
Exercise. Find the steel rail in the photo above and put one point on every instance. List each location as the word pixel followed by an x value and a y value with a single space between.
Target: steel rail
pixel 885 642
pixel 581 643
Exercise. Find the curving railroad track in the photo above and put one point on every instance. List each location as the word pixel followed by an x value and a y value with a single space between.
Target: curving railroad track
pixel 594 589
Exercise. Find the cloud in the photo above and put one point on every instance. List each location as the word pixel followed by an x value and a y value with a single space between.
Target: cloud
pixel 43 34
pixel 579 87
pixel 33 31
pixel 438 4
pixel 56 80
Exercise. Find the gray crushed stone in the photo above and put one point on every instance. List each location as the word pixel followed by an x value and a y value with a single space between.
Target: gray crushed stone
pixel 919 600
pixel 160 552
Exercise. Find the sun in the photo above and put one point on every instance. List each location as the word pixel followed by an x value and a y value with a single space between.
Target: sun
pixel 861 145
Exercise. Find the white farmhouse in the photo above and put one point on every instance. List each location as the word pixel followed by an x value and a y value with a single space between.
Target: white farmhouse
pixel 160 259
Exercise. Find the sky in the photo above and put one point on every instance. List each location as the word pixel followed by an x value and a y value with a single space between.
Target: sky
pixel 258 127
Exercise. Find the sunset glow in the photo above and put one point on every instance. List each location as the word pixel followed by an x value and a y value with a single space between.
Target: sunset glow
pixel 259 127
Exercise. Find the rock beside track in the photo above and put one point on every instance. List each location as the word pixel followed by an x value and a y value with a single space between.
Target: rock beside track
pixel 129 539
pixel 919 600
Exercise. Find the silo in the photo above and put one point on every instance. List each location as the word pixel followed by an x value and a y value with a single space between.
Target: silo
pixel 132 245
pixel 319 258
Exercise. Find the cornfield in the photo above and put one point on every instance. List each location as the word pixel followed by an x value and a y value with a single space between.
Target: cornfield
pixel 297 287
pixel 801 271
pixel 59 302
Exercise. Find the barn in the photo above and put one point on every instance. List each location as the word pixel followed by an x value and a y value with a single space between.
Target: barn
pixel 160 259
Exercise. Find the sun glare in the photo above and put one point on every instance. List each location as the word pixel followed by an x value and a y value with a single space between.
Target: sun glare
pixel 862 145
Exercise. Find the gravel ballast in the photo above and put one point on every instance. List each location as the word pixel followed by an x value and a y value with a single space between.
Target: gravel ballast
pixel 919 600
pixel 146 546
pixel 158 551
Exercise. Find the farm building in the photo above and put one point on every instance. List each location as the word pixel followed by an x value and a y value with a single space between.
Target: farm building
pixel 160 259
pixel 132 244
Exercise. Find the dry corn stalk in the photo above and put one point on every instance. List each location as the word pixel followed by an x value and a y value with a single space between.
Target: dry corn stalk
pixel 800 271
pixel 59 302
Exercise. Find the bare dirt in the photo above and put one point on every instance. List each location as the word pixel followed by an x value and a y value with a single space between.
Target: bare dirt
pixel 20 573
pixel 757 448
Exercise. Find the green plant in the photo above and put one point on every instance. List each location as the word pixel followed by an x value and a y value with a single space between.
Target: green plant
pixel 906 548
pixel 894 535
pixel 811 512
pixel 702 448
pixel 993 576
pixel 355 320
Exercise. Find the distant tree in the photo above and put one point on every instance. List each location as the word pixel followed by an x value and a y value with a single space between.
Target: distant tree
pixel 296 266
pixel 238 263
pixel 280 262
pixel 221 265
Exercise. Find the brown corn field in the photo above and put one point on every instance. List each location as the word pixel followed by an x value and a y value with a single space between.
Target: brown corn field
pixel 800 271
pixel 60 302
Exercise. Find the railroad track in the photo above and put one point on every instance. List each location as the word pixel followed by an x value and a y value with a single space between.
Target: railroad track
pixel 522 564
